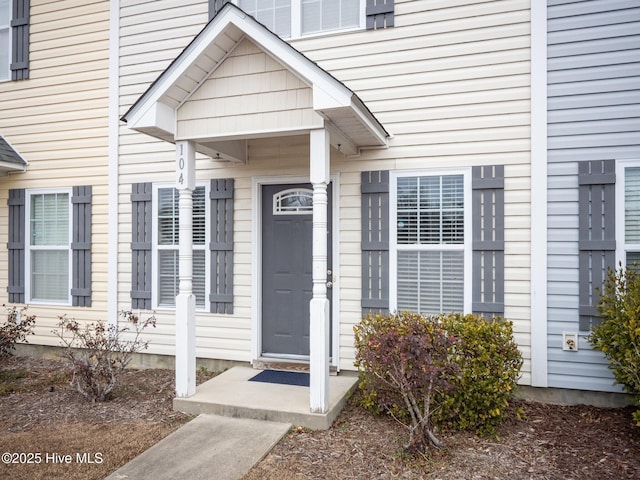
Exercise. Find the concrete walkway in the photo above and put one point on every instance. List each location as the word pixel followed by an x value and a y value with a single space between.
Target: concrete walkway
pixel 207 447
pixel 239 421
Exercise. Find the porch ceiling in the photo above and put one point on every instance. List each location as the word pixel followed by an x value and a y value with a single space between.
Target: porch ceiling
pixel 349 121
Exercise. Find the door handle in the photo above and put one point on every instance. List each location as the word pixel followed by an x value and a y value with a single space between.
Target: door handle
pixel 329 284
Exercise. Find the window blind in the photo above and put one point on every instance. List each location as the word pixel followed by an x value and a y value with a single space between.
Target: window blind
pixel 168 243
pixel 327 15
pixel 430 282
pixel 49 241
pixel 632 205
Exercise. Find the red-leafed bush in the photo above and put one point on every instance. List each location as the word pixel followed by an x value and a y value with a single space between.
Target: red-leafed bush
pixel 403 362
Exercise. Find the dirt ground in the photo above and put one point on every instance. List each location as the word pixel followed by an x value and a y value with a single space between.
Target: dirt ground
pixel 41 413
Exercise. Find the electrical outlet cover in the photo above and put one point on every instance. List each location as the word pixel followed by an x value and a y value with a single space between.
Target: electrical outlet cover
pixel 570 342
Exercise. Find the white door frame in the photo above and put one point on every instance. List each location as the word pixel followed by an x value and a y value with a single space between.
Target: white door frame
pixel 256 256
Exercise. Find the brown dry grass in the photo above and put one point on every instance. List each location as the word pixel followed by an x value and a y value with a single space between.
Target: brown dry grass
pixel 41 414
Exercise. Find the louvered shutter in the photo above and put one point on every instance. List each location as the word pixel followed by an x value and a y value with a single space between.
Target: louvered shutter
pixel 375 241
pixel 487 184
pixel 20 40
pixel 81 247
pixel 221 245
pixel 16 245
pixel 380 14
pixel 596 234
pixel 141 218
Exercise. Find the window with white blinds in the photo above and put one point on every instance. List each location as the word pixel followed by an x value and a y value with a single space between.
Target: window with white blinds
pixel 632 215
pixel 49 246
pixel 5 37
pixel 430 243
pixel 167 242
pixel 327 15
pixel 293 18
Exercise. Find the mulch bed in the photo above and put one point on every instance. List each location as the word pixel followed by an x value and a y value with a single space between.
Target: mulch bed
pixel 40 412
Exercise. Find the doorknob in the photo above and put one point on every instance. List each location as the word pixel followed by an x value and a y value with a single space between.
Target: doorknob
pixel 329 284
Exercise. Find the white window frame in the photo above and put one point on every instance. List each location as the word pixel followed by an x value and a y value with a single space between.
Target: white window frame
pixel 621 246
pixel 28 248
pixel 7 27
pixel 155 248
pixel 296 21
pixel 466 247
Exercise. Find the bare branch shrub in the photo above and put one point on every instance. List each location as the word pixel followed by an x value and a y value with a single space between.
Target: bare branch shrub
pixel 15 329
pixel 98 353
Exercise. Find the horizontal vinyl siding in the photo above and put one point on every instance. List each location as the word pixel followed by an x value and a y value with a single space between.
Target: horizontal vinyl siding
pixel 57 120
pixel 450 81
pixel 594 104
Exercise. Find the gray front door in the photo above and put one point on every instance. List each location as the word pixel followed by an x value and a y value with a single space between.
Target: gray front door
pixel 286 268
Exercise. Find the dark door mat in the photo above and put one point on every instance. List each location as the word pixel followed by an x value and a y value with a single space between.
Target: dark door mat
pixel 284 378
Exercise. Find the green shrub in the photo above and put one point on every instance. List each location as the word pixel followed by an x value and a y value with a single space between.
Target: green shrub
pixel 489 366
pixel 618 336
pixel 403 363
pixel 462 368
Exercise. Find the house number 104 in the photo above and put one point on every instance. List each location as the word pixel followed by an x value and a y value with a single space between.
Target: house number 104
pixel 185 166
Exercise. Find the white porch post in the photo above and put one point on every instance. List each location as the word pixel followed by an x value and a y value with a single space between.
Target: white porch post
pixel 186 300
pixel 319 305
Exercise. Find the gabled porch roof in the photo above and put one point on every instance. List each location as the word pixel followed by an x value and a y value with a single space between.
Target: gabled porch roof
pixel 345 116
pixel 10 160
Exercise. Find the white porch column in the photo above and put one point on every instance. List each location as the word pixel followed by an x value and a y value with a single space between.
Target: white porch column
pixel 319 305
pixel 186 300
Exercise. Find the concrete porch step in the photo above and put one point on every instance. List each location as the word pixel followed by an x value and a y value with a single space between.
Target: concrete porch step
pixel 231 394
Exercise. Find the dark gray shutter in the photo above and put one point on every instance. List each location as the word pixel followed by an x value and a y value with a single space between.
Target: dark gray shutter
pixel 380 14
pixel 81 247
pixel 597 244
pixel 487 184
pixel 141 245
pixel 215 6
pixel 221 246
pixel 375 241
pixel 15 247
pixel 20 40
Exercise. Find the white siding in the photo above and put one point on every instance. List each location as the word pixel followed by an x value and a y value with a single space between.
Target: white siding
pixel 450 81
pixel 57 120
pixel 594 73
